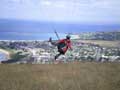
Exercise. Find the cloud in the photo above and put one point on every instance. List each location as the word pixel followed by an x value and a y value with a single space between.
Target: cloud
pixel 62 10
pixel 55 4
pixel 46 3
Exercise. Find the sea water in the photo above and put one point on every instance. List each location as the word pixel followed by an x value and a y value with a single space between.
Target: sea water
pixel 29 36
pixel 30 30
pixel 2 56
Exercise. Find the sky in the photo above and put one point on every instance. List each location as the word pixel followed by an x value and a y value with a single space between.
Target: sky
pixel 75 11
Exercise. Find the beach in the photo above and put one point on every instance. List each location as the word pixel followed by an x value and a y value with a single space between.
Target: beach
pixel 6 53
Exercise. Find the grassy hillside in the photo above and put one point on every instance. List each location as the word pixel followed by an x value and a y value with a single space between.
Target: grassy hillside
pixel 103 43
pixel 74 76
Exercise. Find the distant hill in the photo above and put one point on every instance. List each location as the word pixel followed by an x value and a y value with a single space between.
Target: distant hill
pixel 113 35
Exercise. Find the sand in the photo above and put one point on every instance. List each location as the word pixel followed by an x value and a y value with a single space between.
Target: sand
pixel 6 52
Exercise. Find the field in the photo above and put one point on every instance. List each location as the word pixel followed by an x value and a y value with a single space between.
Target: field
pixel 72 76
pixel 103 43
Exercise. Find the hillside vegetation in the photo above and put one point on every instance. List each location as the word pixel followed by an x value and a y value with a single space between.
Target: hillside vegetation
pixel 72 76
pixel 103 43
pixel 111 35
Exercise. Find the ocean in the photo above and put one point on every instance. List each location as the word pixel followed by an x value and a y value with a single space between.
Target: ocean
pixel 29 36
pixel 2 56
pixel 35 30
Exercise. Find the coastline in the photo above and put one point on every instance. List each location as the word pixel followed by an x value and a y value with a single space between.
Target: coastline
pixel 5 52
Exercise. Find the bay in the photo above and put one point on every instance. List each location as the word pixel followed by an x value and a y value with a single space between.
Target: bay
pixel 2 56
pixel 29 36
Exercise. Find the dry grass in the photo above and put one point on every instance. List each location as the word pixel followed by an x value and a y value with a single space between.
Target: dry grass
pixel 103 43
pixel 74 76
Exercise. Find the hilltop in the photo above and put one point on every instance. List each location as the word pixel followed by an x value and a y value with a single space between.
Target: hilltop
pixel 72 76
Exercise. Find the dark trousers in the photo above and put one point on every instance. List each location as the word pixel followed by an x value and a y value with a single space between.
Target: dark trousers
pixel 61 52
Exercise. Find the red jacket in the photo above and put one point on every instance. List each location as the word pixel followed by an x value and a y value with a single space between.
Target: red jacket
pixel 67 44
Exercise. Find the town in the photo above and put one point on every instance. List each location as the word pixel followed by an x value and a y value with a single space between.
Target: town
pixel 42 52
